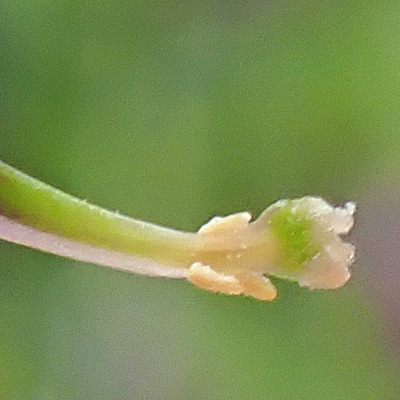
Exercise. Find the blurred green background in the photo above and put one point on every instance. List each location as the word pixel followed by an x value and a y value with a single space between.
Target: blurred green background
pixel 175 111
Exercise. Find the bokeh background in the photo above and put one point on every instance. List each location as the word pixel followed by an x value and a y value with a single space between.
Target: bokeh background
pixel 173 112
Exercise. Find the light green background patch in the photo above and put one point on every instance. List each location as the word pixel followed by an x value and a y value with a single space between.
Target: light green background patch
pixel 175 112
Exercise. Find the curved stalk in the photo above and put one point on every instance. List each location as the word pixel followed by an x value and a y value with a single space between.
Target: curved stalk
pixel 229 255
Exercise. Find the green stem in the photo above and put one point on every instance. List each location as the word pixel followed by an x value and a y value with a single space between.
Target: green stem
pixel 293 239
pixel 27 201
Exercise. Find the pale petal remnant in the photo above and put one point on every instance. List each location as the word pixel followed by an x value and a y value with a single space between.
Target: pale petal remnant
pixel 339 219
pixel 206 278
pixel 252 285
pixel 231 223
pixel 329 267
pixel 293 239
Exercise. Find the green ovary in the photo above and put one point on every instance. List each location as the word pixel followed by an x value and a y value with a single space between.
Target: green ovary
pixel 293 230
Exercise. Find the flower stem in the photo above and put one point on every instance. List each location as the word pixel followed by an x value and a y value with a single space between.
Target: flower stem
pixel 298 240
pixel 37 215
